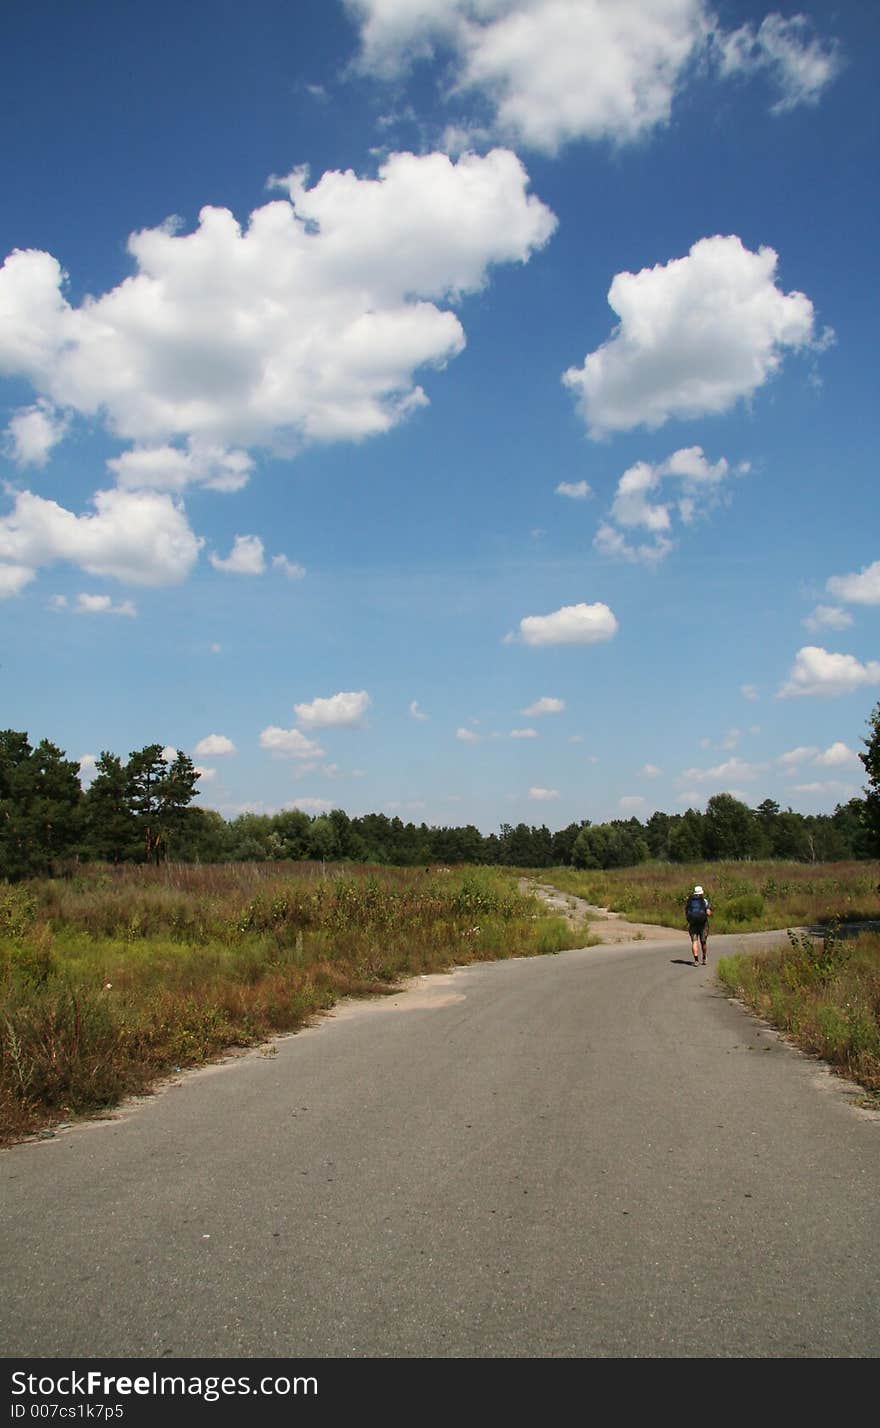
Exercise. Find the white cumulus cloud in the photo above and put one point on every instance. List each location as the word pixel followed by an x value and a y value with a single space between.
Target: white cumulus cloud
pixel 800 62
pixel 103 605
pixel 543 795
pixel 289 743
pixel 138 536
pixel 651 771
pixel 817 671
pixel 694 336
pixel 213 745
pixel 467 736
pixel 247 557
pixel 837 755
pixel 416 712
pixel 309 324
pixel 543 73
pixel 631 802
pixel 290 568
pixel 828 617
pixel 580 624
pixel 862 588
pixel 311 805
pixel 545 705
pixel 575 490
pixel 13 579
pixel 340 711
pixel 523 733
pixel 33 432
pixel 173 468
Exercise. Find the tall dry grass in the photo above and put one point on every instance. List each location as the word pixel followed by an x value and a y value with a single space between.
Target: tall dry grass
pixel 746 897
pixel 116 976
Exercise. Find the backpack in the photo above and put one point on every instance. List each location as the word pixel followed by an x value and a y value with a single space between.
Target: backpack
pixel 695 909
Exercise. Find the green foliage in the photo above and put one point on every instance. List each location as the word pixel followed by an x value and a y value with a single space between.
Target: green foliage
pixel 824 995
pixel 746 908
pixel 109 979
pixel 871 760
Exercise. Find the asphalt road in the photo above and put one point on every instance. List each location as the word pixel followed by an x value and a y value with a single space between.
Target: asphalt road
pixel 592 1155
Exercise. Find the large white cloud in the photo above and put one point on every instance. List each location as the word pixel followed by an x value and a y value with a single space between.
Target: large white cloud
pixel 695 336
pixel 572 625
pixel 307 325
pixel 345 710
pixel 137 536
pixel 553 71
pixel 817 671
pixel 862 588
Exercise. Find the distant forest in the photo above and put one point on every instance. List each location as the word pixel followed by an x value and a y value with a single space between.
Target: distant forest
pixel 142 810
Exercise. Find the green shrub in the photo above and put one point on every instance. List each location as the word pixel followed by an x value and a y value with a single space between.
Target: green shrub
pixel 745 908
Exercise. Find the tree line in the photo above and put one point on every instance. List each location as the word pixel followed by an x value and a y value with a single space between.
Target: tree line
pixel 142 810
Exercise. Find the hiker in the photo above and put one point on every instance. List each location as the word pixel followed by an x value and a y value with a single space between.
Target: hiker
pixel 697 911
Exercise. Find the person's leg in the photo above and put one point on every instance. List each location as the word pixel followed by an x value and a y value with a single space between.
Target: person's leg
pixel 695 943
pixel 704 938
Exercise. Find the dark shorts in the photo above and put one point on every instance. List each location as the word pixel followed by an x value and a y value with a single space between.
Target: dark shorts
pixel 698 929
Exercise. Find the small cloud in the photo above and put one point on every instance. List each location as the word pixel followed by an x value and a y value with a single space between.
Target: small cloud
pixel 748 691
pixel 206 775
pixel 523 733
pixel 215 648
pixel 33 431
pixel 731 769
pixel 571 625
pixel 87 767
pixel 543 795
pixel 467 736
pixel 289 743
pixel 862 588
pixel 247 557
pixel 213 745
pixel 731 739
pixel 169 754
pixel 630 802
pixel 57 602
pixel 345 710
pixel 609 541
pixel 103 605
pixel 828 617
pixel 820 672
pixel 651 771
pixel 312 805
pixel 575 490
pixel 837 755
pixel 288 567
pixel 545 705
pixel 792 760
pixel 574 738
pixel 416 712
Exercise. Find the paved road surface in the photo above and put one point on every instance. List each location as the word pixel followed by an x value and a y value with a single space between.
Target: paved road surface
pixel 593 1154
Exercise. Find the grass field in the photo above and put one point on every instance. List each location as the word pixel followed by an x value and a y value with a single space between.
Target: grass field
pixel 746 897
pixel 114 977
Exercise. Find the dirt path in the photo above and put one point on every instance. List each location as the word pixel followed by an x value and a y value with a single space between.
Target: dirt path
pixel 601 923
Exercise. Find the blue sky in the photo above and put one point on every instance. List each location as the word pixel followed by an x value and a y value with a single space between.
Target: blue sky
pixel 463 409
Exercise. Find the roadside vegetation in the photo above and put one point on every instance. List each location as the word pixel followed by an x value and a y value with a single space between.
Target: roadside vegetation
pixel 745 897
pixel 119 975
pixel 824 995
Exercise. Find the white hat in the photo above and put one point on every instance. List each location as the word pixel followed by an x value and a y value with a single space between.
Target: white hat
pixel 698 890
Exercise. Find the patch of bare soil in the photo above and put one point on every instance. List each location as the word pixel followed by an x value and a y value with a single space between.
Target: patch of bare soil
pixel 600 922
